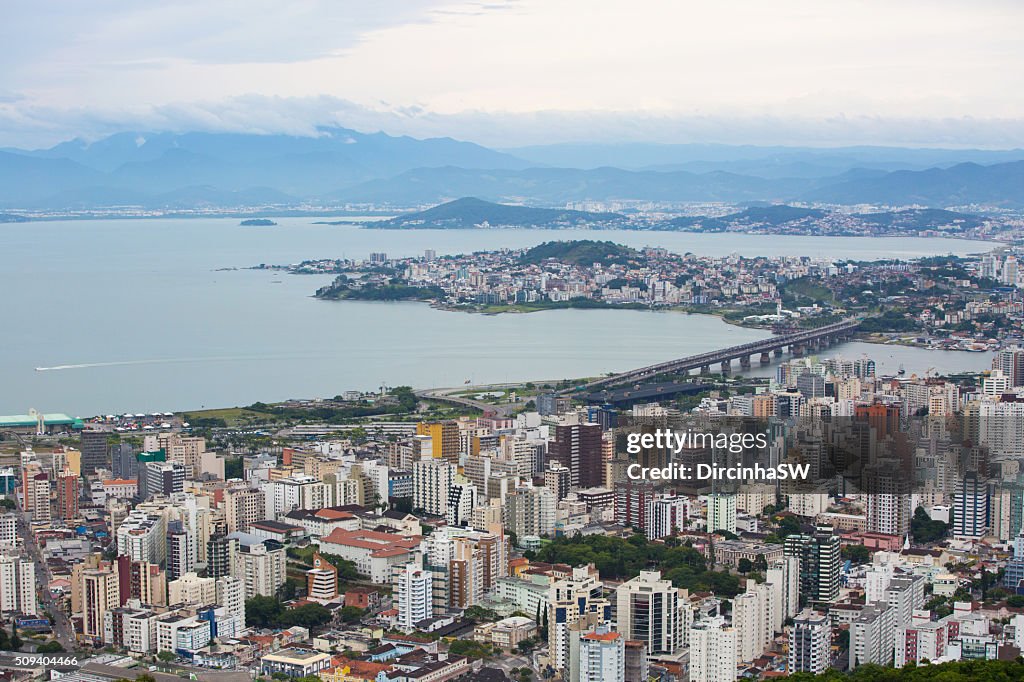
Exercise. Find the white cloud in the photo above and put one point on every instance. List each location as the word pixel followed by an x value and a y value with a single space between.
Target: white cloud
pixel 505 73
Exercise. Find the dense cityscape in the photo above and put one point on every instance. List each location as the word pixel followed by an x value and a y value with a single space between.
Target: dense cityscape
pixel 495 534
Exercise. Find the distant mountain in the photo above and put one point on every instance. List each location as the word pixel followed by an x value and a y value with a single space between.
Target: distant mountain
pixel 559 185
pixel 783 219
pixel 155 164
pixel 1001 184
pixel 760 161
pixel 470 212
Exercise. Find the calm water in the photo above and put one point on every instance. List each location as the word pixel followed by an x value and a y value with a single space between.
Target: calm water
pixel 136 317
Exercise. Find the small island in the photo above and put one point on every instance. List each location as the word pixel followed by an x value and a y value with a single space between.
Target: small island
pixel 257 222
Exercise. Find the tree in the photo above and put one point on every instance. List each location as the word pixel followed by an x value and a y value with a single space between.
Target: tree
pixel 166 656
pixel 15 642
pixel 53 647
pixel 351 614
pixel 744 566
pixel 857 554
pixel 263 612
pixel 1016 601
pixel 926 530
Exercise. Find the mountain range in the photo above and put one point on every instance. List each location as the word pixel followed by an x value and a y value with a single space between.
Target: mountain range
pixel 339 166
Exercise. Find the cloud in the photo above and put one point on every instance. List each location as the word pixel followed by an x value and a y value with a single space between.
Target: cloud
pixel 305 116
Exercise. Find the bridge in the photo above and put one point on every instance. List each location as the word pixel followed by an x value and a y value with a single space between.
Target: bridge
pixel 798 343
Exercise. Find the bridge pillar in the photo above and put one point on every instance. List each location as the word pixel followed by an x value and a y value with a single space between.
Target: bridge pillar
pixel 744 362
pixel 766 358
pixel 726 366
pixel 778 352
pixel 797 350
pixel 705 369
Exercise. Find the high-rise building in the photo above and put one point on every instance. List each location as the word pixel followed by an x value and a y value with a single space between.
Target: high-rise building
pixel 8 530
pixel 810 640
pixel 530 511
pixel 666 516
pixel 444 437
pixel 784 577
pixel 819 563
pixel 123 462
pixel 94 453
pixel 753 619
pixel 461 502
pixel 99 594
pixel 597 656
pixel 577 446
pixel 721 512
pixel 260 565
pixel 181 550
pixel 243 506
pixel 17 585
pixel 574 604
pixel 38 492
pixel 872 636
pixel 887 506
pixel 712 651
pixel 1010 361
pixel 971 507
pixel 67 494
pixel 220 555
pixel 652 610
pixel 142 537
pixel 557 480
pixel 161 478
pixel 432 480
pixel 147 583
pixel 231 595
pixel 413 595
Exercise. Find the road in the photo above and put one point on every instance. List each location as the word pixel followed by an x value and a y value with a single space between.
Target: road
pixel 447 395
pixel 63 632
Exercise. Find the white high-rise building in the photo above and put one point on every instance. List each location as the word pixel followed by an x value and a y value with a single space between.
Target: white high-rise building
pixel 300 492
pixel 414 595
pixel 461 502
pixel 530 511
pixel 17 585
pixel 712 651
pixel 231 595
pixel 260 565
pixel 432 480
pixel 784 577
pixel 243 506
pixel 809 642
pixel 666 516
pixel 8 531
pixel 651 610
pixel 971 507
pixel 721 512
pixel 753 618
pixel 142 536
pixel 598 656
pixel 872 636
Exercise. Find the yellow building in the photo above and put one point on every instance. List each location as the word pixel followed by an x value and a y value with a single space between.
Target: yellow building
pixel 444 437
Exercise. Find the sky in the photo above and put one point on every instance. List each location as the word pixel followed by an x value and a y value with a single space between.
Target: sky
pixel 514 72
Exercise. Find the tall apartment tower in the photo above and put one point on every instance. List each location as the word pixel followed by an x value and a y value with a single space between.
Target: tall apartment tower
pixel 971 507
pixel 598 656
pixel 414 595
pixel 712 651
pixel 99 594
pixel 810 639
pixel 432 480
pixel 444 437
pixel 819 563
pixel 1010 361
pixel 67 494
pixel 578 448
pixel 17 584
pixel 649 609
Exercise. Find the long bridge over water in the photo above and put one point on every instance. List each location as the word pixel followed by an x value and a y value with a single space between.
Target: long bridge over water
pixel 798 343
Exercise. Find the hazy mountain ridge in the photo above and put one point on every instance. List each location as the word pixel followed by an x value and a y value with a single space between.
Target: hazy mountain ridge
pixel 195 170
pixel 471 212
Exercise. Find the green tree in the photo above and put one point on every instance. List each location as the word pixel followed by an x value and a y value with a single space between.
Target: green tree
pixel 744 566
pixel 351 614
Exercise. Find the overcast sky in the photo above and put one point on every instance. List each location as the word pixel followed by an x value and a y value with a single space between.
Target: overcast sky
pixel 504 73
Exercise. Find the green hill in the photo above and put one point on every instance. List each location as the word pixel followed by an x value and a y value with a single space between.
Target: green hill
pixel 470 212
pixel 584 252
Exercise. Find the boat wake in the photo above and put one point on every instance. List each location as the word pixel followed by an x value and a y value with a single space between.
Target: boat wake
pixel 155 361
